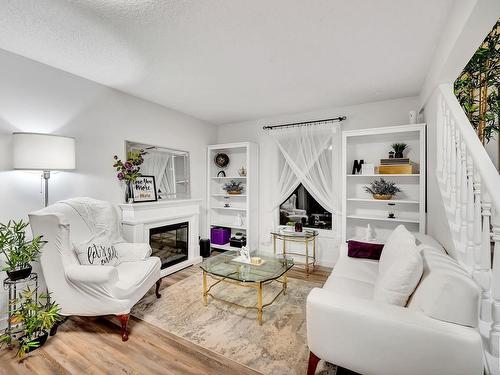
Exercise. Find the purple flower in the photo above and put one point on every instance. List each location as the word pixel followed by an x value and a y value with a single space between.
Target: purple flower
pixel 120 176
pixel 128 165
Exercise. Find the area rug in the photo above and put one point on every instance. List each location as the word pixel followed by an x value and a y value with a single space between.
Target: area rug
pixel 277 347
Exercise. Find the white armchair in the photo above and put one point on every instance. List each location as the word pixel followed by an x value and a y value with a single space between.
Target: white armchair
pixel 92 290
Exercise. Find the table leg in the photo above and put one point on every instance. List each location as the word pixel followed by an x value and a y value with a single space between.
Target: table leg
pixel 285 283
pixel 205 302
pixel 307 257
pixel 274 243
pixel 314 252
pixel 284 246
pixel 259 316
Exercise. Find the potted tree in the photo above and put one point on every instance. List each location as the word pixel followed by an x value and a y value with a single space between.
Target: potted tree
pixel 382 189
pixel 32 320
pixel 18 251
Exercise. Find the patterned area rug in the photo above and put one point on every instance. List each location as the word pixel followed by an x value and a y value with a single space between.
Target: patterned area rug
pixel 277 347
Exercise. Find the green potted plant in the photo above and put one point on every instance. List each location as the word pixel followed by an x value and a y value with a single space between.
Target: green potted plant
pixel 18 251
pixel 382 189
pixel 398 149
pixel 233 187
pixel 32 321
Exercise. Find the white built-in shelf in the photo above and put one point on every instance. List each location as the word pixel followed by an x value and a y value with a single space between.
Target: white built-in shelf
pixel 382 218
pixel 230 208
pixel 385 175
pixel 230 178
pixel 405 201
pixel 229 195
pixel 225 247
pixel 229 226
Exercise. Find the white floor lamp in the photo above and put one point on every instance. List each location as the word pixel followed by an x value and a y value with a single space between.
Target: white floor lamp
pixel 43 152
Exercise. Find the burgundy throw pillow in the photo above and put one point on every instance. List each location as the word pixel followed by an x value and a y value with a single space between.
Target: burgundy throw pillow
pixel 366 250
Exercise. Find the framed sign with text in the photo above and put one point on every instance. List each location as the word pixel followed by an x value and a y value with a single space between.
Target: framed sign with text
pixel 144 189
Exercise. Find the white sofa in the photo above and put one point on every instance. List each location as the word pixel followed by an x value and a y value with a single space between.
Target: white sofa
pixel 436 333
pixel 92 290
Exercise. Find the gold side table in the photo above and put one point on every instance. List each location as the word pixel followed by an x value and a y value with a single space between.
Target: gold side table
pixel 306 237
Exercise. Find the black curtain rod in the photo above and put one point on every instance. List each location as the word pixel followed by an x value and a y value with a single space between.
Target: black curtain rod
pixel 338 119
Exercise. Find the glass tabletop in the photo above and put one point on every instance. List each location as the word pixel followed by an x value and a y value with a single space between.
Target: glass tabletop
pixel 306 233
pixel 226 265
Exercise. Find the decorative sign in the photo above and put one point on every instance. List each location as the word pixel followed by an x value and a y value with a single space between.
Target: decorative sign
pixel 144 189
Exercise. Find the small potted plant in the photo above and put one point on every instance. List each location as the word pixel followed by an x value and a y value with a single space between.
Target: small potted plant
pixel 128 171
pixel 233 187
pixel 382 189
pixel 32 321
pixel 18 251
pixel 398 149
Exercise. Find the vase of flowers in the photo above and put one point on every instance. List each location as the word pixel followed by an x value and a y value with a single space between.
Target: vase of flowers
pixel 382 189
pixel 35 317
pixel 17 250
pixel 129 170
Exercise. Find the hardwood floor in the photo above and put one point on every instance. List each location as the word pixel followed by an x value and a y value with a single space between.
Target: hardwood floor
pixel 94 346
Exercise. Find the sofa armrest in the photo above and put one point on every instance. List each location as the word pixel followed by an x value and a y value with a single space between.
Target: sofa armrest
pixel 132 252
pixel 375 338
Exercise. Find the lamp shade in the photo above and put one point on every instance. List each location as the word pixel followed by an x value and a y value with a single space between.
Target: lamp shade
pixel 48 152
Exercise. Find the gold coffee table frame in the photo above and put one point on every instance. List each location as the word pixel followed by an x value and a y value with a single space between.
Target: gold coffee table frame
pixel 306 239
pixel 259 285
pixel 227 268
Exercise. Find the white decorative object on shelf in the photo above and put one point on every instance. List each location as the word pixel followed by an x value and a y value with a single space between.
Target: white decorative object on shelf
pixel 412 117
pixel 369 236
pixel 239 220
pixel 367 169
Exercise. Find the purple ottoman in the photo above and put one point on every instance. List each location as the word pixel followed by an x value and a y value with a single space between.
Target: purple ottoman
pixel 220 235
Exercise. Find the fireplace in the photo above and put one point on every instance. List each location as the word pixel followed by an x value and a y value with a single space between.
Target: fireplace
pixel 170 243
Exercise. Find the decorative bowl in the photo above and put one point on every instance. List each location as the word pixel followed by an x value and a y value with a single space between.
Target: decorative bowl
pixel 382 197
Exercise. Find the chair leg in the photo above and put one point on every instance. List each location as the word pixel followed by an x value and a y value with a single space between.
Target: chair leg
pixel 313 363
pixel 157 290
pixel 124 321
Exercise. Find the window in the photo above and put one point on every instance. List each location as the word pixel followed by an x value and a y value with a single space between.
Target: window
pixel 301 207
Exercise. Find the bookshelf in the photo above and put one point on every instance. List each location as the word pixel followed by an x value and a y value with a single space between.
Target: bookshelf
pixel 245 205
pixel 358 206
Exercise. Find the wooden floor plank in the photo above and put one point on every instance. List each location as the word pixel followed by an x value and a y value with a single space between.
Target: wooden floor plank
pixel 86 345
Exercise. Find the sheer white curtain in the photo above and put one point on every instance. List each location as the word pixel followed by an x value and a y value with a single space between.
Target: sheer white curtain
pixel 157 163
pixel 310 155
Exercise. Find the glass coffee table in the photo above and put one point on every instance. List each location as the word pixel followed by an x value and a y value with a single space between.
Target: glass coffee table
pixel 224 268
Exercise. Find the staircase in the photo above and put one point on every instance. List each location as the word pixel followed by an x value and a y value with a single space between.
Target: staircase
pixel 470 189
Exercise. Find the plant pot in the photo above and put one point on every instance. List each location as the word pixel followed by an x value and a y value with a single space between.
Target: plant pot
pixel 19 274
pixel 40 340
pixel 382 197
pixel 128 192
pixel 234 192
pixel 398 155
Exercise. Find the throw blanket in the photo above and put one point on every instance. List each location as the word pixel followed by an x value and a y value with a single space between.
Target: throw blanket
pixel 98 215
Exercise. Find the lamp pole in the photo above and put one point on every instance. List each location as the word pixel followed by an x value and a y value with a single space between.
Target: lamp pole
pixel 46 176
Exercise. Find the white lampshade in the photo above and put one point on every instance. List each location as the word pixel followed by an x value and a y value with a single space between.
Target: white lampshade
pixel 47 152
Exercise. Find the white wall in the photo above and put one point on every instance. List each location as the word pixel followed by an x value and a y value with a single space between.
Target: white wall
pixel 386 113
pixel 37 98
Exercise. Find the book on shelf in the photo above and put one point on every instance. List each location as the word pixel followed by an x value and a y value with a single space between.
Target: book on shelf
pixel 394 161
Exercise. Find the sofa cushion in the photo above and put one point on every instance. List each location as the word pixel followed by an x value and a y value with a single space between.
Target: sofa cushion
pixel 364 250
pixel 135 275
pixel 365 270
pixel 349 287
pixel 446 291
pixel 400 268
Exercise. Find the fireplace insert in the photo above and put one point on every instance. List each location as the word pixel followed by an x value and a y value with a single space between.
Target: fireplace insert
pixel 170 243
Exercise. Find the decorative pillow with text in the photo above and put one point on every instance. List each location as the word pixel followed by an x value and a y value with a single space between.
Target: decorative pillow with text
pixel 97 251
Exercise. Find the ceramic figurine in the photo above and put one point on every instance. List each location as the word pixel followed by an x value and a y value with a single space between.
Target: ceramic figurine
pixel 242 172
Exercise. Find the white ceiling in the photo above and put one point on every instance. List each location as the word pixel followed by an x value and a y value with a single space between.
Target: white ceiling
pixel 226 61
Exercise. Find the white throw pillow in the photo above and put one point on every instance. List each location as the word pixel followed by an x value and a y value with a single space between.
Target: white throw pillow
pixel 97 251
pixel 400 268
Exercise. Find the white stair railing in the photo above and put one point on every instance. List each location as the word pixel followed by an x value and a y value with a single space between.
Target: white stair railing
pixel 470 188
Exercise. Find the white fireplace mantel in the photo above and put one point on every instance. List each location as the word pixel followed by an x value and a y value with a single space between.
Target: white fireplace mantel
pixel 139 218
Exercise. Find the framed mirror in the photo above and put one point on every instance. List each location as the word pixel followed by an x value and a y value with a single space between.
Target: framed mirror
pixel 170 168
